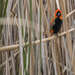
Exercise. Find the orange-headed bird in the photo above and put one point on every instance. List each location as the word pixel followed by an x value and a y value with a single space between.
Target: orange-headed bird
pixel 58 22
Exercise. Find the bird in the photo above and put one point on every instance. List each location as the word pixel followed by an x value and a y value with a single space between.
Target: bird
pixel 58 20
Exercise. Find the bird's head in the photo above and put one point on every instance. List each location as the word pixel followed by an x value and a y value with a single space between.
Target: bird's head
pixel 58 13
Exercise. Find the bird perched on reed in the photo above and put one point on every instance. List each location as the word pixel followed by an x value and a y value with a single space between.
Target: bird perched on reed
pixel 57 20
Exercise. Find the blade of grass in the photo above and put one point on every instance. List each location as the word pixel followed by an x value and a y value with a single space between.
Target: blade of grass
pixel 30 40
pixel 20 40
pixel 2 12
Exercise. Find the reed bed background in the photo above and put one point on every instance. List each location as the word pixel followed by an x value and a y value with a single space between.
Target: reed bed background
pixel 25 49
